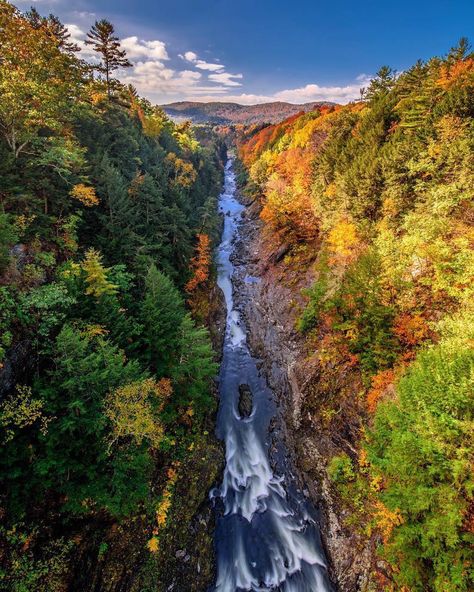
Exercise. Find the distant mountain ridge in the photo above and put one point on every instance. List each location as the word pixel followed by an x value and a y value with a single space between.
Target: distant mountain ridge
pixel 231 113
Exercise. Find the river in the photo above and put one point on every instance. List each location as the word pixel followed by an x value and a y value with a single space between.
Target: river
pixel 267 536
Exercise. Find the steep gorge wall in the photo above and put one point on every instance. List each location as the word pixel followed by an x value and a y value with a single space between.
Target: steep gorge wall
pixel 270 307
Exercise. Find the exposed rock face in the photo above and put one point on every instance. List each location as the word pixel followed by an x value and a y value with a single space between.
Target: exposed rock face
pixel 186 561
pixel 16 367
pixel 269 310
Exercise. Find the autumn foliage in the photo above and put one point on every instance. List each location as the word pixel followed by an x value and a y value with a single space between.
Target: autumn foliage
pixel 411 329
pixel 459 73
pixel 379 194
pixel 200 263
pixel 381 384
pixel 343 240
pixel 163 508
pixel 85 194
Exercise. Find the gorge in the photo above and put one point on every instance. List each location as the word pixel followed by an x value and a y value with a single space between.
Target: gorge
pixel 267 535
pixel 236 330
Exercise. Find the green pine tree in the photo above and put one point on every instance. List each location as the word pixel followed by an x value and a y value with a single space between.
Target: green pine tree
pixel 162 312
pixel 104 41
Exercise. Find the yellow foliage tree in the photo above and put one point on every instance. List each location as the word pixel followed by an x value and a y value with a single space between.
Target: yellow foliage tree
pixel 184 173
pixel 386 520
pixel 96 275
pixel 343 240
pixel 184 136
pixel 153 544
pixel 20 411
pixel 154 123
pixel 134 411
pixel 86 195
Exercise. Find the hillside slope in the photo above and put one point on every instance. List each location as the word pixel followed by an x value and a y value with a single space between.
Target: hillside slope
pixel 228 113
pixel 108 211
pixel 367 258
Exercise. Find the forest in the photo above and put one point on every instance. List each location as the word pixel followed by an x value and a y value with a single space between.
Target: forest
pixel 375 199
pixel 108 214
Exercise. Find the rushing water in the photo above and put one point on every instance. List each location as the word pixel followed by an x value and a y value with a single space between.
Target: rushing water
pixel 266 533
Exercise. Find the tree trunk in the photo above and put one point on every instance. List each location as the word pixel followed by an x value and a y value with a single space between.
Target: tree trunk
pixel 107 76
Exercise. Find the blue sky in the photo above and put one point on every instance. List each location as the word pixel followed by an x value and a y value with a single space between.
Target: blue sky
pixel 259 50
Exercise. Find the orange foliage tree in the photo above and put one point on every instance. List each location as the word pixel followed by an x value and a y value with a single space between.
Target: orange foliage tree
pixel 200 263
pixel 381 383
pixel 459 73
pixel 411 330
pixel 163 508
pixel 386 519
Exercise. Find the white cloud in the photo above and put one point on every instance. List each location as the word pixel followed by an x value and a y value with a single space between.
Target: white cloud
pixel 84 14
pixel 192 57
pixel 135 48
pixel 315 92
pixel 153 68
pixel 163 83
pixel 226 79
pixel 78 36
pixel 190 75
pixel 202 65
pixel 306 94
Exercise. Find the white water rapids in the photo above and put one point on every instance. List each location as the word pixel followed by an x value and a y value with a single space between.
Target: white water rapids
pixel 266 534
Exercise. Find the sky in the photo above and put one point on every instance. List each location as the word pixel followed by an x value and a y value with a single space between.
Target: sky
pixel 254 51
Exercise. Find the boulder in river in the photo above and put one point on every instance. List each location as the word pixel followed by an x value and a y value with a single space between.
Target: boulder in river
pixel 245 400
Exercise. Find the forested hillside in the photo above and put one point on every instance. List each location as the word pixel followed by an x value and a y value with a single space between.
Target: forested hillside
pixel 108 214
pixel 235 114
pixel 374 201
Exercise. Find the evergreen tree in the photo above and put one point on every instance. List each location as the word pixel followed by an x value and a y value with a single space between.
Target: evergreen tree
pixel 107 44
pixel 72 458
pixel 195 367
pixel 414 88
pixel 460 51
pixel 381 84
pixel 54 28
pixel 8 236
pixel 162 312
